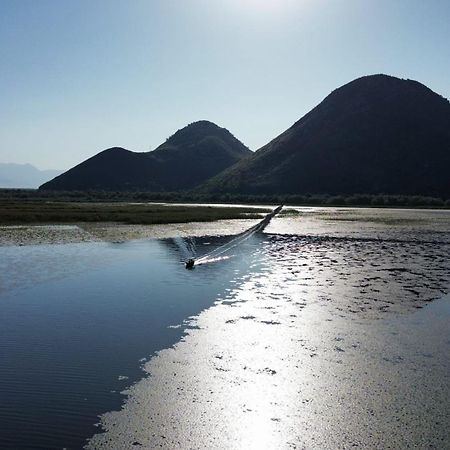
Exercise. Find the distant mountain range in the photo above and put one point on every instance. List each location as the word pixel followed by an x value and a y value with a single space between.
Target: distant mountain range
pixel 24 176
pixel 376 134
pixel 188 158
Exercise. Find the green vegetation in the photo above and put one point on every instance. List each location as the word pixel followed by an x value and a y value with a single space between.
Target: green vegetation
pixel 370 200
pixel 20 206
pixel 33 212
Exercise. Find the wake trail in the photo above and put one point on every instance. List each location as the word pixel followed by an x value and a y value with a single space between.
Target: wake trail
pixel 239 239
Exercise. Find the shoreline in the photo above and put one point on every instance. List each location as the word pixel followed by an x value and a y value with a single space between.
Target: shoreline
pixel 356 200
pixel 48 234
pixel 69 213
pixel 379 223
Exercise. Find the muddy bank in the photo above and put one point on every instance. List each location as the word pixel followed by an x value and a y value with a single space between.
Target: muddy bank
pixel 365 223
pixel 354 223
pixel 114 232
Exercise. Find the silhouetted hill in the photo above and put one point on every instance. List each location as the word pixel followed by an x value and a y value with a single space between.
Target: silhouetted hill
pixel 189 157
pixel 24 176
pixel 377 134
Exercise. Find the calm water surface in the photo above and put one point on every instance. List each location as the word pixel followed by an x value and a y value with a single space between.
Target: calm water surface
pixel 76 319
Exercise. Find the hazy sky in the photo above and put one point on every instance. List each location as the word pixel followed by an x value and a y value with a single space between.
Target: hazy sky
pixel 81 76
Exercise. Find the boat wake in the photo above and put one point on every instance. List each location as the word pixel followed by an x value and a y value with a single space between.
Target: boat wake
pixel 215 255
pixel 199 262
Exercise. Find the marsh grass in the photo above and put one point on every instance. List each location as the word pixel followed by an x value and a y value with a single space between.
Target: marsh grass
pixel 45 212
pixel 355 200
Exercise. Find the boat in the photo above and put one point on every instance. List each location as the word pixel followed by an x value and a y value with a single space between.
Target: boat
pixel 259 227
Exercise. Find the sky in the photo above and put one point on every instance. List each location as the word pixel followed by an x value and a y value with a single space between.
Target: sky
pixel 81 76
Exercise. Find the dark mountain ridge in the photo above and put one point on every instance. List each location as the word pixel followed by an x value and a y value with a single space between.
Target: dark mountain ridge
pixel 376 134
pixel 189 157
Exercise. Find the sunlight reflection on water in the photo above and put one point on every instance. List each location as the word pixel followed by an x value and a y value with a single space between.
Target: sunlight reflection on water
pixel 327 333
pixel 302 353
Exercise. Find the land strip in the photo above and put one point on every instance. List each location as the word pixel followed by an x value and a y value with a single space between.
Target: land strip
pixel 13 212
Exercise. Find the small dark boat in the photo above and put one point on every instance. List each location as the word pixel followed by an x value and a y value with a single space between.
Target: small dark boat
pixel 190 263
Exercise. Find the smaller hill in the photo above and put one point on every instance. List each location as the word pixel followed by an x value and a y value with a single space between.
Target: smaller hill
pixel 189 157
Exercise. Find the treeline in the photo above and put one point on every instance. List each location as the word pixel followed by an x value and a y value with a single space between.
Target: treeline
pixel 373 200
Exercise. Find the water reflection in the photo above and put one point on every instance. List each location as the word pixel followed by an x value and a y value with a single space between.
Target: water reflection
pixel 76 319
pixel 290 342
pixel 290 356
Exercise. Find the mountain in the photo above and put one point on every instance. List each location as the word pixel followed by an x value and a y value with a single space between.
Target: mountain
pixel 376 134
pixel 189 157
pixel 24 176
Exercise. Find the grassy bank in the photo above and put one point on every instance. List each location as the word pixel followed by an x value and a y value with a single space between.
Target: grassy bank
pixel 363 200
pixel 14 212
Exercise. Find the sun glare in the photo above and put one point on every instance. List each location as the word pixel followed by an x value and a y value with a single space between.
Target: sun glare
pixel 256 7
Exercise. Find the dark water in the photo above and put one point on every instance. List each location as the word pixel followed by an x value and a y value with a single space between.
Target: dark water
pixel 78 323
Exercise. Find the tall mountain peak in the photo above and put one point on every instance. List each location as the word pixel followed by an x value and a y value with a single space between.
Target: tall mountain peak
pixel 376 134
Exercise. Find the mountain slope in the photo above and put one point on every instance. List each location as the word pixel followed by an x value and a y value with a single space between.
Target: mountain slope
pixel 377 134
pixel 189 157
pixel 24 176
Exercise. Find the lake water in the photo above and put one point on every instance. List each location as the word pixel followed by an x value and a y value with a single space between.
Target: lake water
pixel 331 329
